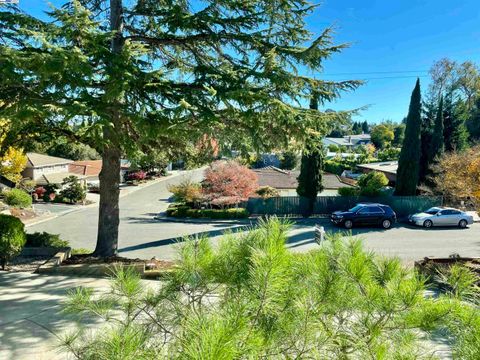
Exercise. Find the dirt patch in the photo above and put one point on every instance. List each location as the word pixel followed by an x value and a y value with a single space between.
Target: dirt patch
pixel 27 263
pixel 23 214
pixel 432 266
pixel 89 259
pixel 152 264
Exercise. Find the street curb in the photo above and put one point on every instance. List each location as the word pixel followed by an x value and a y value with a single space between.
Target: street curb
pixel 96 204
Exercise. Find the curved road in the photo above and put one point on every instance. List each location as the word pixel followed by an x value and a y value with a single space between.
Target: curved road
pixel 141 236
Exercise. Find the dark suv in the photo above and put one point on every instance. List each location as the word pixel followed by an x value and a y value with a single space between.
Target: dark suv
pixel 365 214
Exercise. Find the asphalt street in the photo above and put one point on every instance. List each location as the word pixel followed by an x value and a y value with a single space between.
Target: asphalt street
pixel 142 236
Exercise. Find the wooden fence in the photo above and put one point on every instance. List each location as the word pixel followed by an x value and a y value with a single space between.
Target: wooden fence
pixel 324 205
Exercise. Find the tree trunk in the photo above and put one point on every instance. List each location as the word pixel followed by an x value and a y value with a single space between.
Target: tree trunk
pixel 109 214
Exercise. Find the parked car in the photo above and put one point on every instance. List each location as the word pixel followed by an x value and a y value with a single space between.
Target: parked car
pixel 441 216
pixel 365 214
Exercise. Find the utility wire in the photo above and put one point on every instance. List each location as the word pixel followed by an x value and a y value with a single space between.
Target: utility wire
pixel 378 72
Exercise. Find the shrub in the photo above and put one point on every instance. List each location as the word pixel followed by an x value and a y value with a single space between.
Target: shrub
pixel 289 160
pixel 266 192
pixel 228 183
pixel 12 238
pixel 40 191
pixel 44 239
pixel 371 184
pixel 73 190
pixel 137 176
pixel 333 167
pixel 183 211
pixel 348 191
pixel 18 198
pixel 186 192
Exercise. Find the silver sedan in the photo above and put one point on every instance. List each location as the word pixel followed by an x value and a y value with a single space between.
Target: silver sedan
pixel 440 216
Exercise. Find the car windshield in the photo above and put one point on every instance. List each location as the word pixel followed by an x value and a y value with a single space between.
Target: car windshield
pixel 356 208
pixel 432 211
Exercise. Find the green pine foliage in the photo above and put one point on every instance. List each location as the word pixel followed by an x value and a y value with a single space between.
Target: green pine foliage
pixel 249 297
pixel 455 132
pixel 437 144
pixel 408 163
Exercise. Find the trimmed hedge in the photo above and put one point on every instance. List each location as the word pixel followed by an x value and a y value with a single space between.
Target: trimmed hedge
pixel 18 198
pixel 12 238
pixel 348 191
pixel 44 239
pixel 183 211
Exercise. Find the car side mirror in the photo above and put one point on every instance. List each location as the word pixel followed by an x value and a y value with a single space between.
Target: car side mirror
pixel 438 214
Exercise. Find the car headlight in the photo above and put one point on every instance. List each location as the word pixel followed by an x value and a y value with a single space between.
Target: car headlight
pixel 339 216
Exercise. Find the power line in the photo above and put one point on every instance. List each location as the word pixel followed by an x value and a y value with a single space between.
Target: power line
pixel 378 72
pixel 396 77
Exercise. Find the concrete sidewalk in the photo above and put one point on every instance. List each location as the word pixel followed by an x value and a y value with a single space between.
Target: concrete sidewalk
pixel 30 314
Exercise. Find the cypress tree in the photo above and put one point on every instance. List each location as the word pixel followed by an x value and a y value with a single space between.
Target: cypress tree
pixel 454 132
pixel 437 145
pixel 310 178
pixel 365 128
pixel 409 161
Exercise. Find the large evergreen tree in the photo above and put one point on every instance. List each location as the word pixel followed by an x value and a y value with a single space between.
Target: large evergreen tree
pixel 365 127
pixel 454 132
pixel 129 76
pixel 437 145
pixel 310 177
pixel 409 161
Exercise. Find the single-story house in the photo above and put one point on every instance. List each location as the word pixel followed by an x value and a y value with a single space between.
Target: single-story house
pixel 348 141
pixel 45 169
pixel 389 168
pixel 286 182
pixel 88 168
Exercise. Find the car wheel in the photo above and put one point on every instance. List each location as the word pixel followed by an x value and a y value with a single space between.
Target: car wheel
pixel 348 224
pixel 428 224
pixel 386 224
pixel 462 224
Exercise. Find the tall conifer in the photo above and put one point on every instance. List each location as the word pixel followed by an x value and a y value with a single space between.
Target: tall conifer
pixel 409 161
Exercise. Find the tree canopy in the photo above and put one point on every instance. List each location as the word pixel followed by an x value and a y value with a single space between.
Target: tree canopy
pixel 164 74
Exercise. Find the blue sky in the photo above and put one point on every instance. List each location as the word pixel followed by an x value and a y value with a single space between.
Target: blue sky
pixel 393 41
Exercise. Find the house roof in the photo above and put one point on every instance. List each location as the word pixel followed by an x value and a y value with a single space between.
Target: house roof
pixel 277 178
pixel 349 140
pixel 339 141
pixel 384 166
pixel 283 179
pixel 86 167
pixel 55 178
pixel 39 160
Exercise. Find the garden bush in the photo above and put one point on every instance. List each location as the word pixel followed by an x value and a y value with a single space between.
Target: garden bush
pixel 333 167
pixel 348 191
pixel 18 198
pixel 267 192
pixel 183 211
pixel 372 184
pixel 73 191
pixel 44 239
pixel 12 238
pixel 186 192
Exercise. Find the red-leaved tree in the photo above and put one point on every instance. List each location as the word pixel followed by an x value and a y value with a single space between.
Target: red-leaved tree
pixel 227 183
